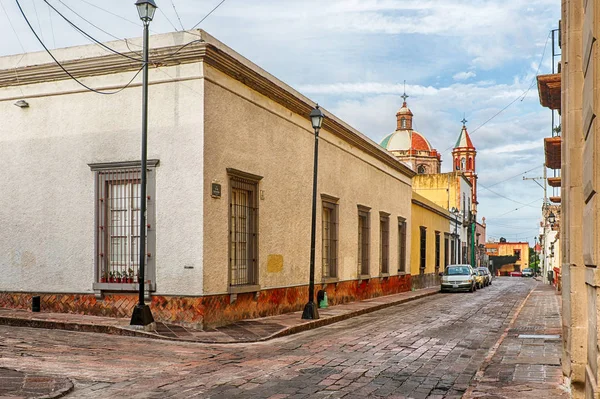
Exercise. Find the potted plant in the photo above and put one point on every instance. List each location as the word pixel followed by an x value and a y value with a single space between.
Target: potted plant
pixel 130 275
pixel 111 277
pixel 118 276
pixel 104 277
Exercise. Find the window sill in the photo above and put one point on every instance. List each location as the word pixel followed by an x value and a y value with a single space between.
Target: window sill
pixel 384 275
pixel 242 289
pixel 128 287
pixel 362 277
pixel 330 280
pixel 401 273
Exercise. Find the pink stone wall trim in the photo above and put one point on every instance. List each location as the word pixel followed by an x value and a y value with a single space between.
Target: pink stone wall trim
pixel 210 311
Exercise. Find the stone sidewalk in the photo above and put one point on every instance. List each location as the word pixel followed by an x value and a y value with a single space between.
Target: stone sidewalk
pixel 255 330
pixel 20 385
pixel 525 362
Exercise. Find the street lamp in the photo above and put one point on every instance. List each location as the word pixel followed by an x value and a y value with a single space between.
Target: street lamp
pixel 142 316
pixel 551 218
pixel 310 309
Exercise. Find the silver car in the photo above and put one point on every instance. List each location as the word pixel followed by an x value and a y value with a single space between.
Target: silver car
pixel 458 278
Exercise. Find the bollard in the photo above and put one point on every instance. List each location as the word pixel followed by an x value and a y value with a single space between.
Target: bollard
pixel 35 304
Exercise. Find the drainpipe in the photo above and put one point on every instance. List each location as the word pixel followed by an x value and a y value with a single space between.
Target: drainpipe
pixel 473 264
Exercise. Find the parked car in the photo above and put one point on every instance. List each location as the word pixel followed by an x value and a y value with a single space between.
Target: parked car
pixel 479 279
pixel 458 278
pixel 488 275
pixel 527 272
pixel 515 274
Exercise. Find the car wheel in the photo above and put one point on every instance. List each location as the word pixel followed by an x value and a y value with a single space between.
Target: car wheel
pixel 472 289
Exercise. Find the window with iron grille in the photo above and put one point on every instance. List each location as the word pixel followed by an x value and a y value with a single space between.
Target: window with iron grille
pixel 446 249
pixel 243 231
pixel 384 243
pixel 330 239
pixel 117 223
pixel 437 252
pixel 364 237
pixel 401 245
pixel 423 248
pixel 453 251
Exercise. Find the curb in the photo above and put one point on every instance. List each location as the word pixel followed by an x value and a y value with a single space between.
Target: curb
pixel 113 330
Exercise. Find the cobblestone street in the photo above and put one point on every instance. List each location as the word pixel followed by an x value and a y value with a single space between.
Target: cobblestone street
pixel 432 347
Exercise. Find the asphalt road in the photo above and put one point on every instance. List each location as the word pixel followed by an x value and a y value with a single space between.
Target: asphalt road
pixel 427 348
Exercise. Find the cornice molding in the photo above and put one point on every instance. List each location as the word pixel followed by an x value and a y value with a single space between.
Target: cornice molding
pixel 230 64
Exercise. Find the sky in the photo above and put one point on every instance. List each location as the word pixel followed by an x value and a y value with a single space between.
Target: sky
pixel 471 58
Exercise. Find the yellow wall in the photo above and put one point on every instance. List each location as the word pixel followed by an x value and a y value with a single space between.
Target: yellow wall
pixel 434 218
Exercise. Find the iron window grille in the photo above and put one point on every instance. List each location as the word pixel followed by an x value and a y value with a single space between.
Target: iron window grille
pixel 243 231
pixel 437 252
pixel 446 249
pixel 117 210
pixel 364 237
pixel 423 231
pixel 401 245
pixel 330 239
pixel 384 243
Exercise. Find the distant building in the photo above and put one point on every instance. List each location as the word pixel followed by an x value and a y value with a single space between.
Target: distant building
pixel 504 248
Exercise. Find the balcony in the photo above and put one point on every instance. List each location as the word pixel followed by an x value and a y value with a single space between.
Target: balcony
pixel 554 181
pixel 552 151
pixel 549 90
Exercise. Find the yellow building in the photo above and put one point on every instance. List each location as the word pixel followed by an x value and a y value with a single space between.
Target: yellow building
pixel 518 249
pixel 430 243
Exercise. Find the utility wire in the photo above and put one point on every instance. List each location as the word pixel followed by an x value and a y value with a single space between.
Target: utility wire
pixel 176 13
pixel 519 97
pixel 89 22
pixel 12 27
pixel 512 210
pixel 522 173
pixel 167 18
pixel 505 197
pixel 112 13
pixel 51 27
pixel 89 36
pixel 38 19
pixel 207 15
pixel 63 68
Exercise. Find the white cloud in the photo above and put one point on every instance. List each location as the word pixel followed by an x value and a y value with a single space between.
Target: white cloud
pixel 464 75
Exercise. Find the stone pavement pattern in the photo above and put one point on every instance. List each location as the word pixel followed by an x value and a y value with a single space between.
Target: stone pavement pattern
pixel 432 347
pixel 527 367
pixel 16 385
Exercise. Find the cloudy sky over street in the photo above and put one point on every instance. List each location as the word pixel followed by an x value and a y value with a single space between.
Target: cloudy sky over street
pixel 470 57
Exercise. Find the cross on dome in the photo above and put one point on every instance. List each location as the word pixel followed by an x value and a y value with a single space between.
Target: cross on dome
pixel 464 120
pixel 404 96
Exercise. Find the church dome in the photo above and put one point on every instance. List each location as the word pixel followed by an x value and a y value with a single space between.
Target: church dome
pixel 404 140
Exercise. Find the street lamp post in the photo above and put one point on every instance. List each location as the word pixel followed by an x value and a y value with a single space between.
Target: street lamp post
pixel 310 309
pixel 142 316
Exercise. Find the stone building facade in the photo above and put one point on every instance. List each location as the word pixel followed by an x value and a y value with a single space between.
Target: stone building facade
pixel 229 189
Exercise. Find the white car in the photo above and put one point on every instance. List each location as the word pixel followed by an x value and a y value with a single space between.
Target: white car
pixel 527 273
pixel 458 278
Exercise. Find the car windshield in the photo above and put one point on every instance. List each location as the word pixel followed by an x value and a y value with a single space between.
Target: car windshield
pixel 457 270
pixel 526 270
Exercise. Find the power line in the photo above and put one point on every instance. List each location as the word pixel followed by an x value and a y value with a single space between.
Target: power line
pixel 519 97
pixel 38 19
pixel 176 13
pixel 505 197
pixel 112 13
pixel 88 21
pixel 206 16
pixel 522 173
pixel 51 27
pixel 12 26
pixel 63 68
pixel 512 210
pixel 89 36
pixel 167 18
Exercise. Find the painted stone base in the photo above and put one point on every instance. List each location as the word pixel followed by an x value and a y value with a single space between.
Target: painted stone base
pixel 214 310
pixel 425 281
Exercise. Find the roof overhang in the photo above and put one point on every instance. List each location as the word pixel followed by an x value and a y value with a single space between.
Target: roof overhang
pixel 552 151
pixel 549 90
pixel 554 181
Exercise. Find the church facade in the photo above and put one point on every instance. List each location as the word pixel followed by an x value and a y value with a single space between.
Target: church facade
pixel 455 191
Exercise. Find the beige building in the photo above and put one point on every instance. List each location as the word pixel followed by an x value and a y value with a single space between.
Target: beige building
pixel 574 91
pixel 229 189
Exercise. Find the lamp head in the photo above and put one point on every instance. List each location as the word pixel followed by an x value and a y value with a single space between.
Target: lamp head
pixel 316 118
pixel 146 9
pixel 551 218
